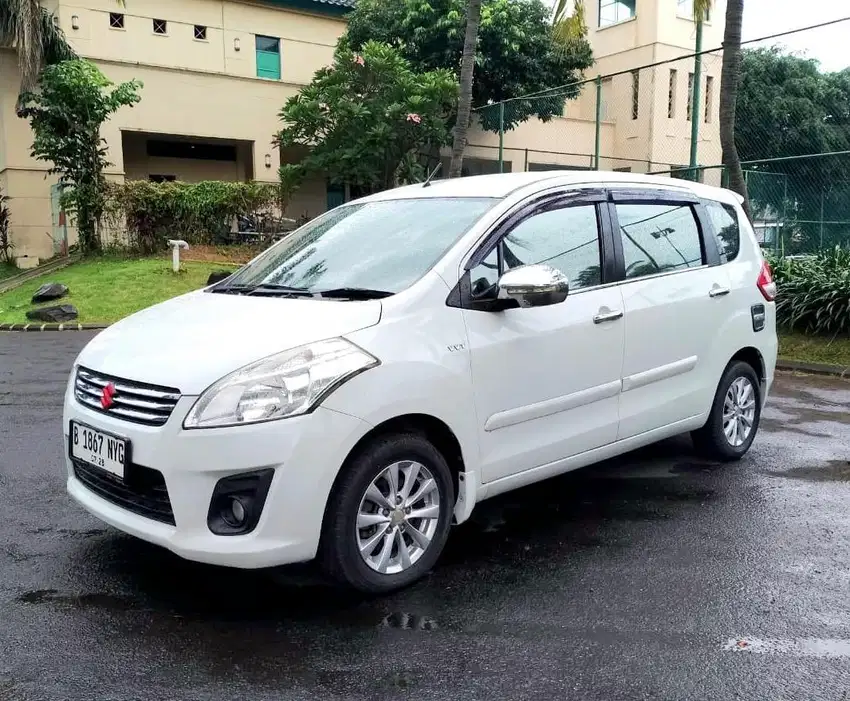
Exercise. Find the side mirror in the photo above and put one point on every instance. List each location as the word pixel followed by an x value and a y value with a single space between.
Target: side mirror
pixel 534 285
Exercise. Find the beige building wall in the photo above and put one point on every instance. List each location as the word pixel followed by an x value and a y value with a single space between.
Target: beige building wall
pixel 207 89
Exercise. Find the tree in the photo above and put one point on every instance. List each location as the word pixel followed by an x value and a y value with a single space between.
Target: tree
pixel 516 52
pixel 73 101
pixel 730 77
pixel 38 42
pixel 366 118
pixel 467 70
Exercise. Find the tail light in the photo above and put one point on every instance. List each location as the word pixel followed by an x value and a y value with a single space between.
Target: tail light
pixel 765 283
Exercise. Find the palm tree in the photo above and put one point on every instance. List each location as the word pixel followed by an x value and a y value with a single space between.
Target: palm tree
pixel 464 103
pixel 568 27
pixel 729 80
pixel 28 28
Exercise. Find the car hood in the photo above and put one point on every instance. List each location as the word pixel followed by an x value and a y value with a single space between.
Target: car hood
pixel 194 340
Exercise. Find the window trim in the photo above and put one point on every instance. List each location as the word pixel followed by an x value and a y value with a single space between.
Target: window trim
pixel 711 255
pixel 599 24
pixel 562 198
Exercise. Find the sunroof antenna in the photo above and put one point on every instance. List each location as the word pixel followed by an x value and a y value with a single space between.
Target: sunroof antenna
pixel 427 182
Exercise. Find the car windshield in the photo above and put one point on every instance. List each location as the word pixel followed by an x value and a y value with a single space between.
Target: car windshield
pixel 382 246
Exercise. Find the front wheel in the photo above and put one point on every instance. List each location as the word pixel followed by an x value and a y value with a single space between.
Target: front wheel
pixel 389 516
pixel 734 419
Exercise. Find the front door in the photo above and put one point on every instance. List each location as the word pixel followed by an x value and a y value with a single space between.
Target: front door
pixel 675 298
pixel 546 379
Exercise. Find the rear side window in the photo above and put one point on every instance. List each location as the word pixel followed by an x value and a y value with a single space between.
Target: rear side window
pixel 724 218
pixel 659 238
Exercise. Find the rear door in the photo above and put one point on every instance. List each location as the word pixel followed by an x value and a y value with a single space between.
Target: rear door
pixel 675 296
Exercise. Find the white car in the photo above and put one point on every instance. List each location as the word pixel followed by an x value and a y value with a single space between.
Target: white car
pixel 361 385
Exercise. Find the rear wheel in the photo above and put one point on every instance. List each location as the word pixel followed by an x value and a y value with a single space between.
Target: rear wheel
pixel 735 415
pixel 389 516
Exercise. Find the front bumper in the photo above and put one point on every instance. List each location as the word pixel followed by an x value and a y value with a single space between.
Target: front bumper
pixel 305 452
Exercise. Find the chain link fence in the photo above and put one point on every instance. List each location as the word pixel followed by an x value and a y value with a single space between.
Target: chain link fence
pixel 663 118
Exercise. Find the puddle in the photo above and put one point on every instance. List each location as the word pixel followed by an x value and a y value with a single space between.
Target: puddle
pixel 832 471
pixel 81 601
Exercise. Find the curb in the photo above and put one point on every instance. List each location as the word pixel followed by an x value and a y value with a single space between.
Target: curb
pixel 68 326
pixel 813 368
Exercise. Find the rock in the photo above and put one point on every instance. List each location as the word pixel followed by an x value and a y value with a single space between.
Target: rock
pixel 54 315
pixel 218 276
pixel 49 291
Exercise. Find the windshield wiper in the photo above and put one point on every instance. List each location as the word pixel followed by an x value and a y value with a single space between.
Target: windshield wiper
pixel 355 293
pixel 269 289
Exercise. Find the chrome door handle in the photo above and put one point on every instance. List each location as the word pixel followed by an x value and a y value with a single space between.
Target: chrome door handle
pixel 719 291
pixel 602 317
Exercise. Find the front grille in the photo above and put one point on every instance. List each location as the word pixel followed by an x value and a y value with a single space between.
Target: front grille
pixel 132 401
pixel 143 491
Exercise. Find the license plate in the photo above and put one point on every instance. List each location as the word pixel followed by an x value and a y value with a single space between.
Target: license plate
pixel 98 448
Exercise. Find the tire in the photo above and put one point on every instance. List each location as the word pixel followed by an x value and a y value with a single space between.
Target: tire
pixel 711 441
pixel 414 460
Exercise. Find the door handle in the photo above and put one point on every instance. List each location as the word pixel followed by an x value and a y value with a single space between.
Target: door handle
pixel 719 291
pixel 602 317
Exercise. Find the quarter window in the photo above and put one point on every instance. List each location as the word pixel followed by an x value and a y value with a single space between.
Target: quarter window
pixel 726 229
pixel 659 238
pixel 565 238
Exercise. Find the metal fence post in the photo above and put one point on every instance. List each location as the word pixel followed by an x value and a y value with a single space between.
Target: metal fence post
pixel 598 120
pixel 501 137
pixel 695 107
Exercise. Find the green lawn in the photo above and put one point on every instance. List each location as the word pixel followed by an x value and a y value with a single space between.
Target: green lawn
pixel 106 290
pixel 814 349
pixel 7 270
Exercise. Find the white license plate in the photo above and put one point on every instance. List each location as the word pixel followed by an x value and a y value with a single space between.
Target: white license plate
pixel 100 449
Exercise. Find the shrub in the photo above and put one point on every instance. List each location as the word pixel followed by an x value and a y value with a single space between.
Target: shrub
pixel 814 292
pixel 200 213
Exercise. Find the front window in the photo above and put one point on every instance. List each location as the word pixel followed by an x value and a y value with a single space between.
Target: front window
pixel 613 11
pixel 382 246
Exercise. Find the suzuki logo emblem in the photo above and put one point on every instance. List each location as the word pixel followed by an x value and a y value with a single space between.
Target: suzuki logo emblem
pixel 107 396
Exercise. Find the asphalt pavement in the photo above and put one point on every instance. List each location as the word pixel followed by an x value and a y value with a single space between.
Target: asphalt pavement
pixel 654 576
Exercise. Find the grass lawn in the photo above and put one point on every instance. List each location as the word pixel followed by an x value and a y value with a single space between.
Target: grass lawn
pixel 108 289
pixel 7 270
pixel 814 349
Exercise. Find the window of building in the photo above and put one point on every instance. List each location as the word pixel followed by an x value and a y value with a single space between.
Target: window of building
pixel 200 32
pixel 268 57
pixel 709 98
pixel 160 26
pixel 690 96
pixel 659 238
pixel 685 10
pixel 613 11
pixel 671 93
pixel 116 20
pixel 635 94
pixel 726 229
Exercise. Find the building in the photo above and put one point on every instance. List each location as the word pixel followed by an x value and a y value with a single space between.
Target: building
pixel 217 72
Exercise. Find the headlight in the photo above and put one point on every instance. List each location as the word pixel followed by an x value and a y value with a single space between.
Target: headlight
pixel 286 384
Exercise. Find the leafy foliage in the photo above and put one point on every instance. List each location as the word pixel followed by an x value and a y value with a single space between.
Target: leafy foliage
pixel 29 28
pixel 198 212
pixel 517 52
pixel 6 244
pixel 365 119
pixel 66 115
pixel 814 292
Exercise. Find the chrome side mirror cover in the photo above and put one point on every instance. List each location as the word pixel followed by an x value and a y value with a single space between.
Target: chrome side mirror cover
pixel 534 285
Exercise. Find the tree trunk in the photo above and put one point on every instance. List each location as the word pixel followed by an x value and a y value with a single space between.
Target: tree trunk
pixel 464 103
pixel 729 80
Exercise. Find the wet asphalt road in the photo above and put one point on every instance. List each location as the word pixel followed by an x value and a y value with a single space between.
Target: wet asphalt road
pixel 623 581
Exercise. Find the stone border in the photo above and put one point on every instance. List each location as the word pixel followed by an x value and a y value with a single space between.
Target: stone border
pixel 67 326
pixel 813 368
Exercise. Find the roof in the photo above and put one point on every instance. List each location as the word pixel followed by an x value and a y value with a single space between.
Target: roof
pixel 336 7
pixel 503 184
